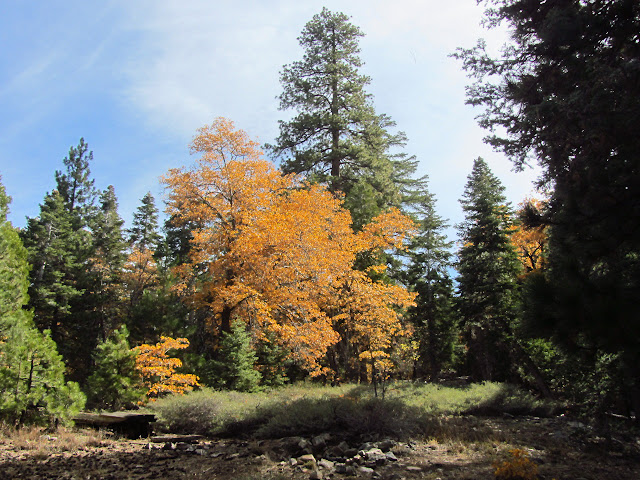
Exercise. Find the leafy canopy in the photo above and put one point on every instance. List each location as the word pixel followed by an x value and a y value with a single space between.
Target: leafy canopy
pixel 275 252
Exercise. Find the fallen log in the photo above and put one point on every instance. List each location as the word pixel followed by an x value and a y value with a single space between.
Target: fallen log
pixel 133 425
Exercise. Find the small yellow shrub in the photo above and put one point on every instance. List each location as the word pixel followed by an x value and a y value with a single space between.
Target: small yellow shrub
pixel 519 467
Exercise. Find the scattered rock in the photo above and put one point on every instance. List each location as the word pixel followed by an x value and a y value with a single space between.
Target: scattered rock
pixel 414 469
pixel 386 445
pixel 391 457
pixel 373 457
pixel 307 459
pixel 326 464
pixel 365 470
pixel 315 475
pixel 350 452
pixel 321 440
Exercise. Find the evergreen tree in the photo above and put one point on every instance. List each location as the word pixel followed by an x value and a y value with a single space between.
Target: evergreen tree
pixel 32 385
pixel 76 185
pixel 14 268
pixel 337 137
pixel 107 263
pixel 234 368
pixel 427 273
pixel 271 361
pixel 57 254
pixel 144 230
pixel 176 246
pixel 115 382
pixel 488 267
pixel 61 246
pixel 567 93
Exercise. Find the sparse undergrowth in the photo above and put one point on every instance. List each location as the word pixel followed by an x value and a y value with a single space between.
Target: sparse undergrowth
pixel 41 442
pixel 408 409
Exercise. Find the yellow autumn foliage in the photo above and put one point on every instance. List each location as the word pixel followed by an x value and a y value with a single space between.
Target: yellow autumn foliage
pixel 278 253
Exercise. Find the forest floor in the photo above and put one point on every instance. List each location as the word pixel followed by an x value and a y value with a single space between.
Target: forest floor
pixel 560 448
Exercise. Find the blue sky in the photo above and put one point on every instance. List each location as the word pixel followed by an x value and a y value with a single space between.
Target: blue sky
pixel 137 78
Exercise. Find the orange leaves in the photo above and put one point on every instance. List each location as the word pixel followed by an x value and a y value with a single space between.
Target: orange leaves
pixel 222 141
pixel 158 370
pixel 387 230
pixel 275 252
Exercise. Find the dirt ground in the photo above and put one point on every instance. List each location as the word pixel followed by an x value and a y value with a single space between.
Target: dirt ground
pixel 561 449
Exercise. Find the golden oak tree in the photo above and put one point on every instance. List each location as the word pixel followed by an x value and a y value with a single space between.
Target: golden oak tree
pixel 276 252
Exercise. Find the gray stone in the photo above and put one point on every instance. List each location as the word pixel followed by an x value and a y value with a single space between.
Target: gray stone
pixel 365 470
pixel 414 469
pixel 386 445
pixel 321 440
pixel 315 475
pixel 374 456
pixel 391 457
pixel 303 444
pixel 308 458
pixel 350 452
pixel 326 464
pixel 341 468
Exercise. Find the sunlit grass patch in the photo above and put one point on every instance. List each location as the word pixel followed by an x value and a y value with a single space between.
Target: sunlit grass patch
pixel 487 398
pixel 408 409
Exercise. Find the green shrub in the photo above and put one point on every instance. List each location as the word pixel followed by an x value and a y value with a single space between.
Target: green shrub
pixel 234 368
pixel 115 381
pixel 350 415
pixel 195 413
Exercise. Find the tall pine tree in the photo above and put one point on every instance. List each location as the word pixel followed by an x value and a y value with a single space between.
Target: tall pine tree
pixel 337 137
pixel 144 229
pixel 106 264
pixel 488 267
pixel 427 272
pixel 60 244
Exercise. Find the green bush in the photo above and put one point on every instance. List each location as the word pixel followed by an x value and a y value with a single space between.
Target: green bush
pixel 234 368
pixel 349 415
pixel 115 381
pixel 195 413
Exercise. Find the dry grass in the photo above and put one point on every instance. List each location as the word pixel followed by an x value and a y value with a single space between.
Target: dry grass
pixel 38 441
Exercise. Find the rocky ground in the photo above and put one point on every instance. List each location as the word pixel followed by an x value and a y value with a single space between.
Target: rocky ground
pixel 561 449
